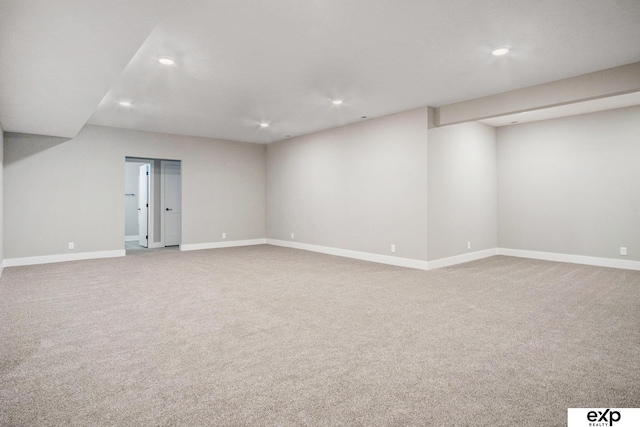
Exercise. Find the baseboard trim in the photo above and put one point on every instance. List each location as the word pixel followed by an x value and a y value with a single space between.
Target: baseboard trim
pixel 217 245
pixel 574 259
pixel 363 256
pixel 48 259
pixel 131 238
pixel 460 259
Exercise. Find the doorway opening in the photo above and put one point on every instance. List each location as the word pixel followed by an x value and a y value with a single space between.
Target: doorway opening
pixel 153 204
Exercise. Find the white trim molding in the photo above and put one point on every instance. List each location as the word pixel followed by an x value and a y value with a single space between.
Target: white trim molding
pixel 226 244
pixel 385 259
pixel 131 238
pixel 574 259
pixel 48 259
pixel 460 259
pixel 364 256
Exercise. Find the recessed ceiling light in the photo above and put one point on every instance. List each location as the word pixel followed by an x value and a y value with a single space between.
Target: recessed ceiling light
pixel 337 101
pixel 502 50
pixel 125 103
pixel 264 125
pixel 165 60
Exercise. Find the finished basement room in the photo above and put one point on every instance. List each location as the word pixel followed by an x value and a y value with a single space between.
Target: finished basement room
pixel 320 213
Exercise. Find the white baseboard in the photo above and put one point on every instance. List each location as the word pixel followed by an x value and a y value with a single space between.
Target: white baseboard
pixel 76 256
pixel 131 238
pixel 575 259
pixel 460 259
pixel 364 256
pixel 217 245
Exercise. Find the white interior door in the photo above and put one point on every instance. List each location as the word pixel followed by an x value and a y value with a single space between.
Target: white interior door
pixel 143 206
pixel 172 203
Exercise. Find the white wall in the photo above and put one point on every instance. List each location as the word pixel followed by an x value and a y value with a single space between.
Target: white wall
pixel 462 190
pixel 571 185
pixel 361 187
pixel 57 190
pixel 1 197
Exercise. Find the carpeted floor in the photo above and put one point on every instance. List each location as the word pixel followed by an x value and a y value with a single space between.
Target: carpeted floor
pixel 134 246
pixel 268 336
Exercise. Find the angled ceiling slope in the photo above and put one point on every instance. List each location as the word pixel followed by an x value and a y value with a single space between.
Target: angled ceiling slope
pixel 59 58
pixel 245 62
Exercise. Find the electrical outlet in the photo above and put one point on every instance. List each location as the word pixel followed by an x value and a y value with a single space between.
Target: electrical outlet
pixel 623 250
pixel 468 245
pixel 393 248
pixel 292 236
pixel 224 235
pixel 71 245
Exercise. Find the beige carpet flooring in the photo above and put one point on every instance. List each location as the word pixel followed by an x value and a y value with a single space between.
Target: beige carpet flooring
pixel 264 336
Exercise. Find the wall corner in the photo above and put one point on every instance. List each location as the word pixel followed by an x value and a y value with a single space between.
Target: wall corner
pixel 432 119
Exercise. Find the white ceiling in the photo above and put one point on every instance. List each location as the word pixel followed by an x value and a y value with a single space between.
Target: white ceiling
pixel 64 63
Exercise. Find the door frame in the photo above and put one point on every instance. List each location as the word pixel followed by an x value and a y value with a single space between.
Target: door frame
pixel 151 217
pixel 144 182
pixel 152 208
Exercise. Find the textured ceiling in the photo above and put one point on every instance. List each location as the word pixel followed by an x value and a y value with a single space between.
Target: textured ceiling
pixel 242 62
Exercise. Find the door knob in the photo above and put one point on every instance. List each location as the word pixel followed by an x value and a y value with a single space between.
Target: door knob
pixel 167 209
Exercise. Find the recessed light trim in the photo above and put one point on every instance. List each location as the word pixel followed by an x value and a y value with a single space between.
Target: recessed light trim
pixel 502 50
pixel 125 103
pixel 337 101
pixel 264 125
pixel 165 60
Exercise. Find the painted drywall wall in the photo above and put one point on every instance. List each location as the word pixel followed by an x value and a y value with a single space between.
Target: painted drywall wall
pixel 462 190
pixel 361 187
pixel 1 197
pixel 571 185
pixel 131 172
pixel 58 190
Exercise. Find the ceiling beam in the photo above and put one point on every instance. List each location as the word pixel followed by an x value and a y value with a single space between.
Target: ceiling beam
pixel 600 84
